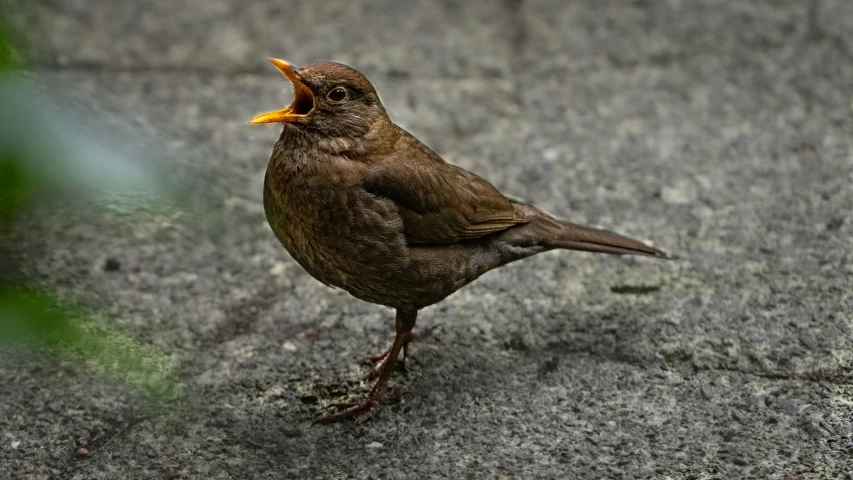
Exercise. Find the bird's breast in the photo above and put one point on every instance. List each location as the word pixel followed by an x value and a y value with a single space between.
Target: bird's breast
pixel 331 226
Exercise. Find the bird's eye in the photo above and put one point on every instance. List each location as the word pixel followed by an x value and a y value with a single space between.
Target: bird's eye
pixel 338 94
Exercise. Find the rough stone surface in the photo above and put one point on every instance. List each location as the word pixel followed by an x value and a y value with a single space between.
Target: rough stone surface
pixel 719 130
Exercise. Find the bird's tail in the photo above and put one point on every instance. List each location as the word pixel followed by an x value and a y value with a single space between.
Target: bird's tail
pixel 547 231
pixel 578 237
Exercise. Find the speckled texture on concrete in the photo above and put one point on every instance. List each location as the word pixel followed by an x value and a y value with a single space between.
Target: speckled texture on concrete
pixel 719 130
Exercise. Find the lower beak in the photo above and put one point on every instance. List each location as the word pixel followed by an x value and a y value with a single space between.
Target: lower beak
pixel 284 115
pixel 303 97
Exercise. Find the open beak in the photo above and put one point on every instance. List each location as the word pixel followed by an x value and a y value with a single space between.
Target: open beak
pixel 303 98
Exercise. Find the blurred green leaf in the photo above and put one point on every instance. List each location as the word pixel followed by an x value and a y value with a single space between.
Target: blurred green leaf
pixel 13 186
pixel 10 57
pixel 43 155
pixel 28 317
pixel 13 177
pixel 56 153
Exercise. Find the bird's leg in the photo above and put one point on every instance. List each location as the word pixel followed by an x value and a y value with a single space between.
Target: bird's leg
pixel 378 395
pixel 380 360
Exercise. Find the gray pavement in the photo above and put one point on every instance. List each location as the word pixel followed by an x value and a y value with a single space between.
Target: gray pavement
pixel 718 130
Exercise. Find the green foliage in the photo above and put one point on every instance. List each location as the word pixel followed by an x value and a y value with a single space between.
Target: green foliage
pixel 9 56
pixel 13 186
pixel 34 319
pixel 41 155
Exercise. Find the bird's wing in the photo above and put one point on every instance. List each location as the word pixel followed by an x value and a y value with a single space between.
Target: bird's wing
pixel 438 202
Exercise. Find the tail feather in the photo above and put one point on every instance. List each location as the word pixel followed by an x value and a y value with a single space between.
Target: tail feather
pixel 540 228
pixel 578 237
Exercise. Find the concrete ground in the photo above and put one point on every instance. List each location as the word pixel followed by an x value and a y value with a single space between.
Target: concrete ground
pixel 719 130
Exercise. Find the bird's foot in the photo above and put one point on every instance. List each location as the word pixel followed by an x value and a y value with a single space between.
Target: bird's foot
pixel 378 395
pixel 379 361
pixel 363 410
pixel 379 364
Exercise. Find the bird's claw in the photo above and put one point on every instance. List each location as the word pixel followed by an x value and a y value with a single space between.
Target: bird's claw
pixel 362 410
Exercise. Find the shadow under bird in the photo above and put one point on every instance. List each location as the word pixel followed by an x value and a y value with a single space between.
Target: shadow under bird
pixel 363 205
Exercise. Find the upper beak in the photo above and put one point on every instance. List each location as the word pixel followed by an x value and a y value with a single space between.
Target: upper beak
pixel 303 98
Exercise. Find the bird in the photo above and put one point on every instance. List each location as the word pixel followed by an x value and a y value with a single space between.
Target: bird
pixel 364 206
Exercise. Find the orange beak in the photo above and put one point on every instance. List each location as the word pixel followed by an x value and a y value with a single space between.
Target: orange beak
pixel 303 98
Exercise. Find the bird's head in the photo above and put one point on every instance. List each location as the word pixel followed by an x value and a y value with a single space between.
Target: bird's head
pixel 329 99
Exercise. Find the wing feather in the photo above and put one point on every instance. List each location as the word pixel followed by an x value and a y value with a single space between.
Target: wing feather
pixel 438 202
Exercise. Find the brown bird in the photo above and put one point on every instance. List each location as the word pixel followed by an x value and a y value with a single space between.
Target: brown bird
pixel 363 205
